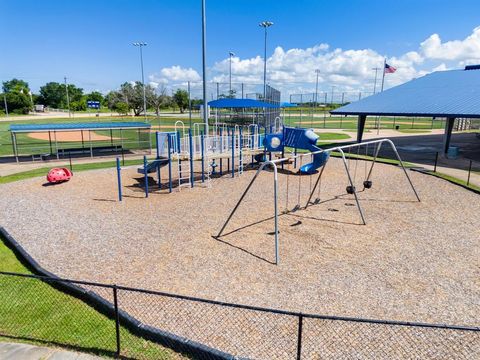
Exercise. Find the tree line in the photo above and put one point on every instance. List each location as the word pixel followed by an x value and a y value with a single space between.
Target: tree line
pixel 19 99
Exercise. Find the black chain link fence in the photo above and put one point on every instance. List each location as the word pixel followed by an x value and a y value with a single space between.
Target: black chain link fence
pixel 118 321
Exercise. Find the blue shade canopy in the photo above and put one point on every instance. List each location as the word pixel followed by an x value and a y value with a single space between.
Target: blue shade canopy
pixel 454 93
pixel 79 126
pixel 241 103
pixel 287 105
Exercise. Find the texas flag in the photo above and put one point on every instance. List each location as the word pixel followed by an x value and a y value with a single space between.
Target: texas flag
pixel 389 69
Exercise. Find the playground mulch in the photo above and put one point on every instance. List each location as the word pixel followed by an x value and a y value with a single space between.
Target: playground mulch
pixel 412 261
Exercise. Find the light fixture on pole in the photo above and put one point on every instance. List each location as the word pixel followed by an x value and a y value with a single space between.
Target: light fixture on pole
pixel 230 90
pixel 141 45
pixel 265 25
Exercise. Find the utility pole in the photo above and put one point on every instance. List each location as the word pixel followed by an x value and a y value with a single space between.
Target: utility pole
pixel 68 99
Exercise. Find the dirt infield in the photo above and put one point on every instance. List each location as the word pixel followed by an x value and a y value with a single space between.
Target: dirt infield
pixel 70 136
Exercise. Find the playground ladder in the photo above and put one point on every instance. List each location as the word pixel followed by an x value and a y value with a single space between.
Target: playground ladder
pixel 184 179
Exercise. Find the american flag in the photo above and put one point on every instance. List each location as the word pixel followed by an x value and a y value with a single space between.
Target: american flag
pixel 389 69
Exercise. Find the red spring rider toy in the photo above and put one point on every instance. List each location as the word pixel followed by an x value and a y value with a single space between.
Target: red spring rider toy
pixel 58 175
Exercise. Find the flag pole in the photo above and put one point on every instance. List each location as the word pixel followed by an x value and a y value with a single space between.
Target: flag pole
pixel 383 82
pixel 383 77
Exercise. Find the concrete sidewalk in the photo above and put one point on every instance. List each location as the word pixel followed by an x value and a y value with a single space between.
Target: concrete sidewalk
pixel 13 351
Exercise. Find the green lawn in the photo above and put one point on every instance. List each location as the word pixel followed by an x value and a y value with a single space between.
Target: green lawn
pixel 333 136
pixel 34 312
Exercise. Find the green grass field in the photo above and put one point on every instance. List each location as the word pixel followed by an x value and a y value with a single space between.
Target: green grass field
pixel 34 312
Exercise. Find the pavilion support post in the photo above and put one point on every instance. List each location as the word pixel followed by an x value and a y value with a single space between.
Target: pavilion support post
pixel 448 134
pixel 360 127
pixel 90 141
pixel 56 144
pixel 50 142
pixel 14 145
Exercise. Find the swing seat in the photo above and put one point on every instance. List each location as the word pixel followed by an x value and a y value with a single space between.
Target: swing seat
pixel 350 189
pixel 367 184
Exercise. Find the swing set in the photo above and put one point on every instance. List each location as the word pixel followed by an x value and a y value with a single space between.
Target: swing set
pixel 347 156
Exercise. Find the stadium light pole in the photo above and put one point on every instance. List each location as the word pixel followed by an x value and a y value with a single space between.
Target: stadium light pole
pixel 231 54
pixel 204 66
pixel 317 71
pixel 141 45
pixel 68 98
pixel 265 25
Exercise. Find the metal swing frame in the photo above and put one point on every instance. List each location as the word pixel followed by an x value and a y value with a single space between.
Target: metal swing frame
pixel 273 164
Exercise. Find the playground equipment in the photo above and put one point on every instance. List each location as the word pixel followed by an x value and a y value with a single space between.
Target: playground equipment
pixel 350 188
pixel 236 145
pixel 298 138
pixel 58 175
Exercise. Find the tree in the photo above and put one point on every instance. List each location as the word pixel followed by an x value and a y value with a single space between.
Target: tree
pixel 159 100
pixel 95 96
pixel 17 95
pixel 181 99
pixel 130 94
pixel 122 108
pixel 53 94
pixel 16 85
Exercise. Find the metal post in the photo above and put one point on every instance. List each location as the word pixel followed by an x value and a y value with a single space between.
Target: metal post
pixel 70 160
pixel 403 167
pixel 190 143
pixel 90 141
pixel 436 160
pixel 146 174
pixel 299 337
pixel 189 105
pixel 169 140
pixel 119 180
pixel 117 320
pixel 56 143
pixel 233 153
pixel 203 155
pixel 204 66
pixel 353 186
pixel 14 143
pixel 469 172
pixel 141 45
pixel 68 98
pixel 275 188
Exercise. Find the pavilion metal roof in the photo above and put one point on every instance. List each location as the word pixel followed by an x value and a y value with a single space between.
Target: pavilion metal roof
pixel 79 126
pixel 454 93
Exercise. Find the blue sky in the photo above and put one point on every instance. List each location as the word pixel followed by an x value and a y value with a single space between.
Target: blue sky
pixel 90 41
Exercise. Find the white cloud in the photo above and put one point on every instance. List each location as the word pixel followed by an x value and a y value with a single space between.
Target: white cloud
pixel 459 50
pixel 174 73
pixel 293 70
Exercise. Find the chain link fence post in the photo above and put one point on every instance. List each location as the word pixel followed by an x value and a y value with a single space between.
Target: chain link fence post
pixel 299 339
pixel 117 321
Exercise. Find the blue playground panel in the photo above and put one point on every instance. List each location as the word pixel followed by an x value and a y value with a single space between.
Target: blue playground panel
pixel 298 138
